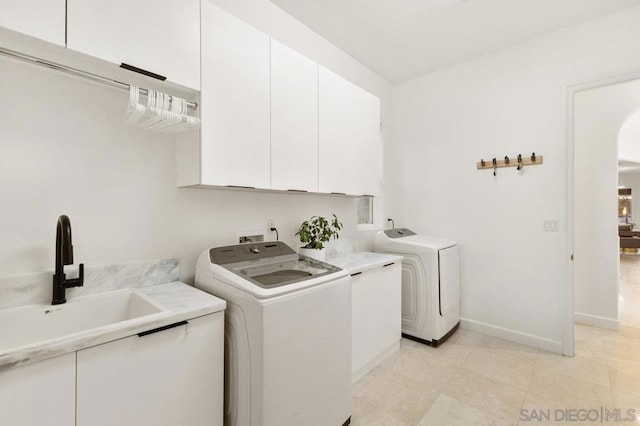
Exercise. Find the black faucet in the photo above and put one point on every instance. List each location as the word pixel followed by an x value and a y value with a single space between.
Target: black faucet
pixel 64 256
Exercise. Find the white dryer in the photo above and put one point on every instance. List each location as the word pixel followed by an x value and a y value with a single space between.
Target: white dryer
pixel 287 335
pixel 430 283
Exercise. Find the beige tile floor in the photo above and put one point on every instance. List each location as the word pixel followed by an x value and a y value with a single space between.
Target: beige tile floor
pixel 474 379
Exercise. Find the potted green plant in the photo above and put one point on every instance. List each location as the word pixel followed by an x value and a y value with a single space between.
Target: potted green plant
pixel 315 232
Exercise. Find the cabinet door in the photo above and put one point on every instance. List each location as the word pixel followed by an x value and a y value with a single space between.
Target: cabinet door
pixel 235 146
pixel 43 393
pixel 349 137
pixel 43 19
pixel 369 147
pixel 160 36
pixel 294 120
pixel 172 377
pixel 376 315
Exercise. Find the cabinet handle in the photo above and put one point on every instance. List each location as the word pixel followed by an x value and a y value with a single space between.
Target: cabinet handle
pixel 240 186
pixel 388 264
pixel 339 193
pixel 356 273
pixel 143 72
pixel 297 190
pixel 163 328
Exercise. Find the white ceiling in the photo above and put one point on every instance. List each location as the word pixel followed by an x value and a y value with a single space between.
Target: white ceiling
pixel 402 39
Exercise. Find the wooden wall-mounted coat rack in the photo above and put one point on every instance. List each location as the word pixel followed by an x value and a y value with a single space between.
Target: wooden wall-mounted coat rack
pixel 518 162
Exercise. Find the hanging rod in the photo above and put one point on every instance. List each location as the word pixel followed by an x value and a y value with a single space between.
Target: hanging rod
pixel 76 72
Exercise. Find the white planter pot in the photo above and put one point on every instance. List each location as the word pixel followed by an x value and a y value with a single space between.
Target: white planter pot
pixel 314 253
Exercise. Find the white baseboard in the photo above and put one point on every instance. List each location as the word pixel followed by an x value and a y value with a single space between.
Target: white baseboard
pixel 512 335
pixel 357 375
pixel 596 321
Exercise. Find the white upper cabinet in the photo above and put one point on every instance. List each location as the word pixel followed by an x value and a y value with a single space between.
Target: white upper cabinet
pixel 274 119
pixel 44 19
pixel 235 113
pixel 349 137
pixel 294 120
pixel 159 36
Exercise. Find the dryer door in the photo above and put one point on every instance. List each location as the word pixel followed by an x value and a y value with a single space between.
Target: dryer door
pixel 414 297
pixel 449 281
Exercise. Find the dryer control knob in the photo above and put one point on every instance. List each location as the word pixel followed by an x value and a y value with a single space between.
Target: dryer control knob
pixel 255 250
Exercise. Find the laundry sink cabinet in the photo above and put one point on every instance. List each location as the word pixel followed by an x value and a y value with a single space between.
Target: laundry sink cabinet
pixel 168 377
pixel 42 393
pixel 163 377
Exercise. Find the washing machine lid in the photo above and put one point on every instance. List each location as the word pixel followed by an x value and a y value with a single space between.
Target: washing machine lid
pixel 399 232
pixel 412 241
pixel 436 243
pixel 269 265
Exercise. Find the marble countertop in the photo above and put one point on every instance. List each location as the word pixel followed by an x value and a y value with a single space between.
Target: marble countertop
pixel 361 261
pixel 179 302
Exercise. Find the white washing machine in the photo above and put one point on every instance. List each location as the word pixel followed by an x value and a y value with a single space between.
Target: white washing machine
pixel 430 283
pixel 287 335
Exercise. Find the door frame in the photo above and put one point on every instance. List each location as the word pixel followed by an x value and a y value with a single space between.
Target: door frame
pixel 568 344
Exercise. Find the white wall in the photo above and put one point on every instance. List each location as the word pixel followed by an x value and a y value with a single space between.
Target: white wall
pixel 629 139
pixel 599 115
pixel 509 102
pixel 66 149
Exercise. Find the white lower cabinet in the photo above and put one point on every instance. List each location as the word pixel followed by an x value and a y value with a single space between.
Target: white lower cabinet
pixel 376 316
pixel 169 377
pixel 42 393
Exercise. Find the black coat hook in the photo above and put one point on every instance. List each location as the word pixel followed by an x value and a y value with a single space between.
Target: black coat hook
pixel 495 165
pixel 483 163
pixel 519 162
pixel 506 159
pixel 533 157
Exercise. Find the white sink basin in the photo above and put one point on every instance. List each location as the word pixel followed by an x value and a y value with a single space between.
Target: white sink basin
pixel 35 324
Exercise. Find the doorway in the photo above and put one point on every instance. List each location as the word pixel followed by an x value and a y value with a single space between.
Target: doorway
pixel 599 112
pixel 629 222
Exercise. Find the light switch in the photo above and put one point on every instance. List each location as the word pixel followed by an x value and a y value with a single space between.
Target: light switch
pixel 550 225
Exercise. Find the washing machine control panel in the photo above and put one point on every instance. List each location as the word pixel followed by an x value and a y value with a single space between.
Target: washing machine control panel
pixel 399 232
pixel 249 252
